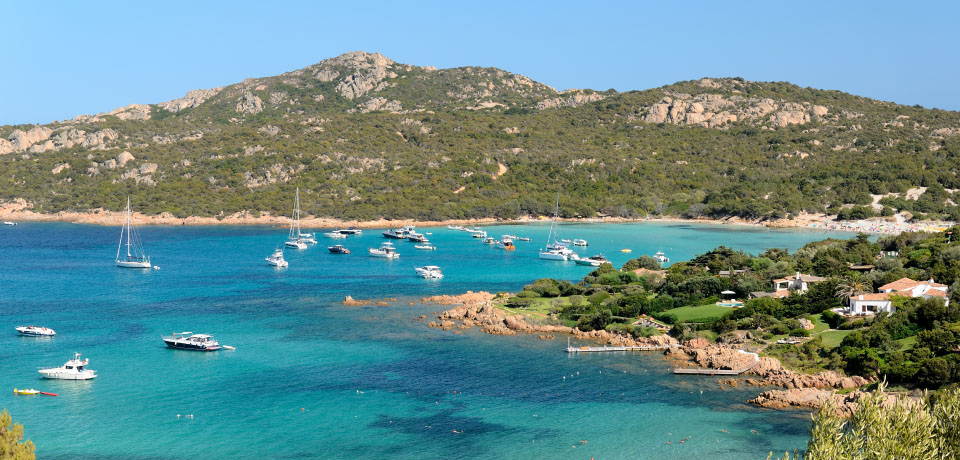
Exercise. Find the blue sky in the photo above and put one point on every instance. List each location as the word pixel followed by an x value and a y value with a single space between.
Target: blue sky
pixel 62 59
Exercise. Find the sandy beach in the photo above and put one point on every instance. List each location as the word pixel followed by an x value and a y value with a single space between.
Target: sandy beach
pixel 22 211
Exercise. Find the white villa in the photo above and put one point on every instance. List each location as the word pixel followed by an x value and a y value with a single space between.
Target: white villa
pixel 782 287
pixel 870 304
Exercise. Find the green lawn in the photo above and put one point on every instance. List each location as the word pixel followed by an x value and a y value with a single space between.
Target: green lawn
pixel 699 313
pixel 832 339
pixel 818 325
pixel 907 343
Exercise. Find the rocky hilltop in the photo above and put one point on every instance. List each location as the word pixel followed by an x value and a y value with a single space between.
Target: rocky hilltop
pixel 366 137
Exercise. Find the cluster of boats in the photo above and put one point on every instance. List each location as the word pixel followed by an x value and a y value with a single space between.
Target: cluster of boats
pixel 76 368
pixel 298 239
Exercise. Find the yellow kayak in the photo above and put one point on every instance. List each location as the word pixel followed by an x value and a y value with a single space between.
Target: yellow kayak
pixel 25 392
pixel 626 250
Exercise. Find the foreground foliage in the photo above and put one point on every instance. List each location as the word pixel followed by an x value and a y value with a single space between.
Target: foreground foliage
pixel 12 446
pixel 923 429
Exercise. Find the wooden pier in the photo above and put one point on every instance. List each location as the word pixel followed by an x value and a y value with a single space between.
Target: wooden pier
pixel 606 348
pixel 702 371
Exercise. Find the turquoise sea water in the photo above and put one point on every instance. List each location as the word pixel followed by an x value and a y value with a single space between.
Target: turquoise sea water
pixel 311 378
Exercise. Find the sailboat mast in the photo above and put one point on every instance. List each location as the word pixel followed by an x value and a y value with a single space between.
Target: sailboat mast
pixel 128 227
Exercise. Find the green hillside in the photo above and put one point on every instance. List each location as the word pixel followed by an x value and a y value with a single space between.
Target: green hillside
pixel 365 137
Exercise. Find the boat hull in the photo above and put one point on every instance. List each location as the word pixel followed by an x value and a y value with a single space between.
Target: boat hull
pixel 189 346
pixel 295 244
pixel 55 375
pixel 133 264
pixel 550 256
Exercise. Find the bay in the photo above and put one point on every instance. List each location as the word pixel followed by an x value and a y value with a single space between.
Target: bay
pixel 311 378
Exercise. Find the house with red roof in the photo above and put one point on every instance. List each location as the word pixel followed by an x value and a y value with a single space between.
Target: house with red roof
pixel 870 304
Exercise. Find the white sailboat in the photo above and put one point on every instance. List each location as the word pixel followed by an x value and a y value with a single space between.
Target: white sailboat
pixel 295 240
pixel 556 250
pixel 135 257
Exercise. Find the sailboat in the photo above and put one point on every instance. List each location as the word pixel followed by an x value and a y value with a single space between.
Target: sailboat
pixel 135 257
pixel 556 250
pixel 295 240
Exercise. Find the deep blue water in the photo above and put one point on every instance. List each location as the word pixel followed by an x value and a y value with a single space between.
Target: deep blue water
pixel 311 378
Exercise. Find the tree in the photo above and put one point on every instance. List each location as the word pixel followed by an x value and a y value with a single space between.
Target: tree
pixel 852 286
pixel 12 446
pixel 881 429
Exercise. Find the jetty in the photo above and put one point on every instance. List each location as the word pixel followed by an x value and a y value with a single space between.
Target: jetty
pixel 703 371
pixel 605 348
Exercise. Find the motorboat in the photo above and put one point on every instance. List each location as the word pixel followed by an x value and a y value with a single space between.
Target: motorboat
pixel 506 245
pixel 430 272
pixel 661 257
pixel 337 235
pixel 338 249
pixel 307 238
pixel 489 241
pixel 522 238
pixel 425 247
pixel 481 234
pixel 296 244
pixel 135 257
pixel 455 227
pixel 350 231
pixel 36 331
pixel 396 234
pixel 195 342
pixel 556 248
pixel 472 230
pixel 508 237
pixel 7 222
pixel 417 238
pixel 276 259
pixel 295 238
pixel 579 242
pixel 386 251
pixel 73 369
pixel 593 261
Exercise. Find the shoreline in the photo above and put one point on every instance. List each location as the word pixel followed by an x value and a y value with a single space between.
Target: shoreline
pixel 798 390
pixel 19 211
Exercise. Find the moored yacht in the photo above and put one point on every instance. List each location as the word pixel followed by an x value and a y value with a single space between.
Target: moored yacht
pixel 661 257
pixel 431 272
pixel 295 240
pixel 71 370
pixel 338 249
pixel 276 259
pixel 417 238
pixel 337 235
pixel 195 342
pixel 426 246
pixel 350 231
pixel 506 244
pixel 557 250
pixel 593 261
pixel 7 222
pixel 135 257
pixel 386 251
pixel 36 331
pixel 489 241
pixel 579 242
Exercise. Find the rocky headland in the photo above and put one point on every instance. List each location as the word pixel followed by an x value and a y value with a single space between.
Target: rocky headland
pixel 808 391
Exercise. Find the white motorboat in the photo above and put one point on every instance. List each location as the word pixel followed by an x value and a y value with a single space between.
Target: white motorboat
pixel 430 272
pixel 455 227
pixel 579 242
pixel 418 238
pixel 71 370
pixel 195 342
pixel 7 222
pixel 489 241
pixel 337 235
pixel 350 231
pixel 135 257
pixel 425 247
pixel 506 244
pixel 479 234
pixel 276 259
pixel 661 257
pixel 307 238
pixel 593 261
pixel 385 251
pixel 36 331
pixel 295 239
pixel 522 238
